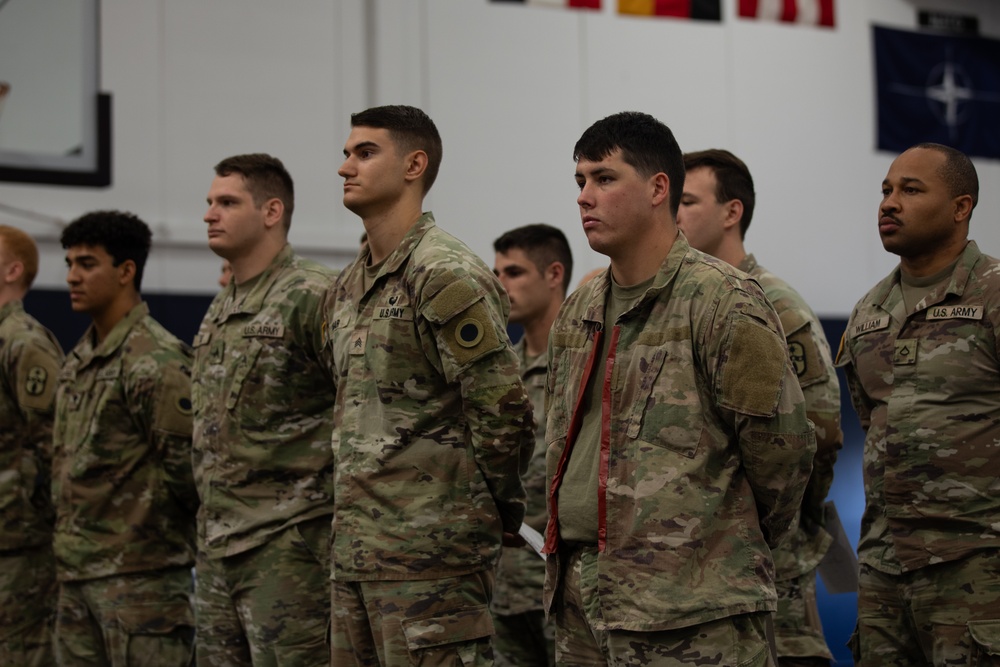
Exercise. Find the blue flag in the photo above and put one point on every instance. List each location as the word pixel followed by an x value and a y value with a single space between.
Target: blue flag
pixel 939 88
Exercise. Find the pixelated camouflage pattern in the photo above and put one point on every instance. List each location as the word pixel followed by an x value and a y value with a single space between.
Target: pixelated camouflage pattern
pixel 263 407
pixel 710 447
pixel 124 621
pixel 433 424
pixel 925 385
pixel 726 642
pixel 442 622
pixel 27 606
pixel 798 555
pixel 269 606
pixel 526 639
pixel 521 571
pixel 30 358
pixel 943 615
pixel 122 483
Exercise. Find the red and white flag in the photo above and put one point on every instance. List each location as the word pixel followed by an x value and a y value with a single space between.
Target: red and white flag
pixel 811 12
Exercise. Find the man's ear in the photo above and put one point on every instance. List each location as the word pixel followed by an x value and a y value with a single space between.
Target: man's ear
pixel 126 272
pixel 661 188
pixel 274 212
pixel 734 213
pixel 554 274
pixel 12 274
pixel 416 165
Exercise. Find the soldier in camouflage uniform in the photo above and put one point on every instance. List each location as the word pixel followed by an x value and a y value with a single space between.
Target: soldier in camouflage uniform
pixel 678 445
pixel 263 419
pixel 30 358
pixel 533 264
pixel 715 212
pixel 433 427
pixel 122 483
pixel 922 355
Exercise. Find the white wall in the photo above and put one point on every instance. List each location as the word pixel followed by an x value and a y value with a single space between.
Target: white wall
pixel 511 89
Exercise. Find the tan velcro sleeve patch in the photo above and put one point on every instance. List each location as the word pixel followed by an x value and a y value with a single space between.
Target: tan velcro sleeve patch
pixel 470 335
pixel 173 412
pixel 37 380
pixel 450 301
pixel 752 369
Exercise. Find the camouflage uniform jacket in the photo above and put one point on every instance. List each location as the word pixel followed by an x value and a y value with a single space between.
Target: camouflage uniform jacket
pixel 521 572
pixel 30 358
pixel 705 455
pixel 263 406
pixel 926 386
pixel 122 484
pixel 812 362
pixel 432 424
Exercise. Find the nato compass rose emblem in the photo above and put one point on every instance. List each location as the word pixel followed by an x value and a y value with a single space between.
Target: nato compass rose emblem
pixel 948 90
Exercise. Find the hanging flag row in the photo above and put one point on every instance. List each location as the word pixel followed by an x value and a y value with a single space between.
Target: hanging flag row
pixel 810 12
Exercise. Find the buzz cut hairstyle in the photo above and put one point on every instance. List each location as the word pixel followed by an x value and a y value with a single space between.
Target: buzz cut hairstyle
pixel 20 247
pixel 645 143
pixel 265 178
pixel 123 235
pixel 543 244
pixel 732 179
pixel 957 171
pixel 411 129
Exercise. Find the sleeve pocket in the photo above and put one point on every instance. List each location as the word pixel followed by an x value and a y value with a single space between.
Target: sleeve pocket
pixel 985 642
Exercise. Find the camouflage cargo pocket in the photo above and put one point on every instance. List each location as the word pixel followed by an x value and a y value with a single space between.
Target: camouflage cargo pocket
pixel 985 648
pixel 157 634
pixel 448 630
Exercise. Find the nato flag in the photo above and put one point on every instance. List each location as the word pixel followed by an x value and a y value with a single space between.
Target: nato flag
pixel 940 88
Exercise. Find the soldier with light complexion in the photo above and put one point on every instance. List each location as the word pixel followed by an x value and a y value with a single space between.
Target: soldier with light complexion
pixel 433 426
pixel 714 215
pixel 922 356
pixel 678 444
pixel 30 358
pixel 263 408
pixel 534 264
pixel 122 483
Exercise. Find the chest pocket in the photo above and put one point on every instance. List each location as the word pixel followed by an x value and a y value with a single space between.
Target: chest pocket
pixel 666 406
pixel 97 423
pixel 248 397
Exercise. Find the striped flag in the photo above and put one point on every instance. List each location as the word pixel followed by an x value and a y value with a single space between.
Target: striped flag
pixel 706 10
pixel 576 4
pixel 811 12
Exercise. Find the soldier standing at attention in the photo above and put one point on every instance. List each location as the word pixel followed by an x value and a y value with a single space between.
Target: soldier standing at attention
pixel 433 427
pixel 263 418
pixel 714 215
pixel 122 484
pixel 678 444
pixel 533 264
pixel 30 358
pixel 922 355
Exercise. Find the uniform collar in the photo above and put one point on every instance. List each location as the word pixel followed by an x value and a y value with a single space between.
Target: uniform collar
pixel 890 293
pixel 85 350
pixel 11 308
pixel 253 300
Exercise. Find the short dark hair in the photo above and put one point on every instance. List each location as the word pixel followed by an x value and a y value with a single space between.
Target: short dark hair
pixel 646 144
pixel 20 247
pixel 411 129
pixel 265 177
pixel 732 179
pixel 543 244
pixel 122 235
pixel 957 171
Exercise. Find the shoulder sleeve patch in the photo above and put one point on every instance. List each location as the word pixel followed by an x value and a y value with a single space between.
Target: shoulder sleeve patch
pixel 452 300
pixel 470 334
pixel 752 369
pixel 37 380
pixel 173 411
pixel 807 362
